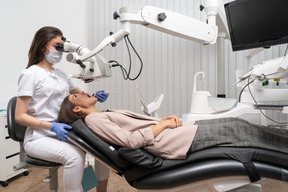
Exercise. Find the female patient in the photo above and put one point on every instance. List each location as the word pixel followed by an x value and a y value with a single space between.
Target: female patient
pixel 169 138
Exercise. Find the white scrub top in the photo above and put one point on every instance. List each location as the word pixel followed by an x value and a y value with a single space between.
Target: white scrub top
pixel 47 91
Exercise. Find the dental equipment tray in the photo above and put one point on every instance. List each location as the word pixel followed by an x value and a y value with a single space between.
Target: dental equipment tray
pixel 201 165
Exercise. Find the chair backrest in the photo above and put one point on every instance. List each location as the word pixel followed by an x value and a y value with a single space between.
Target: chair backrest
pixel 15 130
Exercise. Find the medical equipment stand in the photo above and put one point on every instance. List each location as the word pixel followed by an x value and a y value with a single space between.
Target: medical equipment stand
pixel 221 65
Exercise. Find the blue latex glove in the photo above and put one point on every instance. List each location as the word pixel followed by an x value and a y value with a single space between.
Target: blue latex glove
pixel 60 130
pixel 101 96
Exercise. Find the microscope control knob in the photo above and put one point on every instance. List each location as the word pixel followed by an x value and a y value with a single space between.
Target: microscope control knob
pixel 201 7
pixel 161 17
pixel 115 15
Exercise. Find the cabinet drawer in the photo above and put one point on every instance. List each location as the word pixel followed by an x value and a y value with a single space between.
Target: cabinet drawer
pixel 11 147
pixel 10 162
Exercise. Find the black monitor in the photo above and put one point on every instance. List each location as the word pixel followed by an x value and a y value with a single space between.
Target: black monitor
pixel 257 23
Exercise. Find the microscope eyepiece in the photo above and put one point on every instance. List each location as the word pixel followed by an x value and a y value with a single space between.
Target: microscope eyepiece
pixel 59 47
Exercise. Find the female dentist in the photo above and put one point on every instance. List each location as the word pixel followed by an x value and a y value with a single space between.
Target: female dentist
pixel 41 91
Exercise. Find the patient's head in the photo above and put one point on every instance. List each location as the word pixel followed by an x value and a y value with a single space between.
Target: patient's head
pixel 76 106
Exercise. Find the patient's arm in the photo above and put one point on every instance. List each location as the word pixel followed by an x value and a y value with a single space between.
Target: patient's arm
pixel 166 123
pixel 112 133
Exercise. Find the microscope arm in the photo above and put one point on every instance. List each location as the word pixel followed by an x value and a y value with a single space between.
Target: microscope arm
pixel 168 22
pixel 112 39
pixel 155 18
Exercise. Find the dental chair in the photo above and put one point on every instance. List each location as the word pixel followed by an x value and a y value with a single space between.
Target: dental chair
pixel 210 170
pixel 17 132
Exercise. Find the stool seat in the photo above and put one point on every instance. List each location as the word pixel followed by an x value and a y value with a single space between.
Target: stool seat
pixel 41 163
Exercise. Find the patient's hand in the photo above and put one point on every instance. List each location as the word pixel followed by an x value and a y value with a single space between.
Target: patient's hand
pixel 174 121
pixel 167 122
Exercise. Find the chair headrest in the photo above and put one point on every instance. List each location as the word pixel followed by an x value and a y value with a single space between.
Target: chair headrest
pixel 90 137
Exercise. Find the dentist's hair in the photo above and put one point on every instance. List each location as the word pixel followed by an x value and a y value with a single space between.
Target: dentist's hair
pixel 41 38
pixel 66 113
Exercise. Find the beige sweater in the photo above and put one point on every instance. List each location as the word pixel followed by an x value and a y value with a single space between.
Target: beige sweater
pixel 132 130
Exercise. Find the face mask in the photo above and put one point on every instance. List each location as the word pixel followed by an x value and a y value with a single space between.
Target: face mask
pixel 54 56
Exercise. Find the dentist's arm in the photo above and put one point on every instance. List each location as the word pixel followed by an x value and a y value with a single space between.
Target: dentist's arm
pixel 21 117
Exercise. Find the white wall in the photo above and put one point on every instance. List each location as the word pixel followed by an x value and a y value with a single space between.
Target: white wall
pixel 20 19
pixel 169 62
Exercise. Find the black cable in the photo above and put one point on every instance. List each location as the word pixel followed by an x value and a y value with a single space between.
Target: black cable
pixel 126 75
pixel 130 60
pixel 141 62
pixel 260 109
pixel 124 72
pixel 243 90
pixel 286 50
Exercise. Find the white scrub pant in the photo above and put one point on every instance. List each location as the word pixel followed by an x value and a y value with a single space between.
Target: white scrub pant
pixel 70 156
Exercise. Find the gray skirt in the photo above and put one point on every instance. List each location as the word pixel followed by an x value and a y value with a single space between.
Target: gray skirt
pixel 235 132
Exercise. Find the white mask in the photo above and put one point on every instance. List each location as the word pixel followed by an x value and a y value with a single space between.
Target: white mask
pixel 54 56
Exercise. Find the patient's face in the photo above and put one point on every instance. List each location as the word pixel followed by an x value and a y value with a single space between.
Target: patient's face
pixel 82 99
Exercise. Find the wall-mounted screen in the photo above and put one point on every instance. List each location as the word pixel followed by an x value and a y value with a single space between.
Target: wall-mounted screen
pixel 257 23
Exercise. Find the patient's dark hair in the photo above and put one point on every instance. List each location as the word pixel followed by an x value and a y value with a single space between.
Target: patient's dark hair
pixel 66 113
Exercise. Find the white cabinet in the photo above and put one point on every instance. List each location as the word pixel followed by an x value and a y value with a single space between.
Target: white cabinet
pixel 9 153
